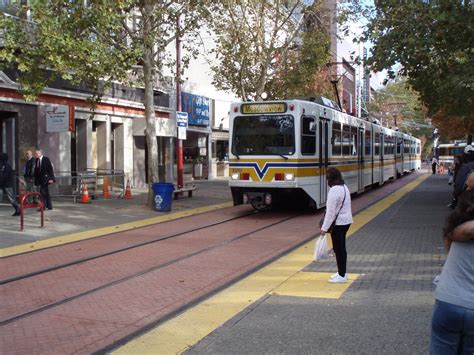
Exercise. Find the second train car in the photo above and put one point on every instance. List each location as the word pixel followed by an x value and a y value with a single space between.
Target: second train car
pixel 280 152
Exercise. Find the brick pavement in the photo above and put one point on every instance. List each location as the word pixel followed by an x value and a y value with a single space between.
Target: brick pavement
pixel 69 217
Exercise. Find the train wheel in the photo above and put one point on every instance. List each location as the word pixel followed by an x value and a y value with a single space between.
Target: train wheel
pixel 260 206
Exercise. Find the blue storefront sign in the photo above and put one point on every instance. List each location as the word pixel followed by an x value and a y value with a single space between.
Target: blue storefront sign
pixel 197 108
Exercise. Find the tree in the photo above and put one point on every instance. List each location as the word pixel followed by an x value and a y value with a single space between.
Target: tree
pixel 99 39
pixel 64 40
pixel 430 43
pixel 303 71
pixel 398 101
pixel 257 47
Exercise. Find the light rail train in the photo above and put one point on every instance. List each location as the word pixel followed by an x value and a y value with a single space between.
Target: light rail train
pixel 447 151
pixel 280 152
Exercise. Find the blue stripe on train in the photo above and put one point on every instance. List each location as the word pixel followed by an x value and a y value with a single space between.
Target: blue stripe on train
pixel 261 172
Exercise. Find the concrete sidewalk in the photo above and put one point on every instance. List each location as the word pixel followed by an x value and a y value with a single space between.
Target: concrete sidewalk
pixel 68 217
pixel 386 310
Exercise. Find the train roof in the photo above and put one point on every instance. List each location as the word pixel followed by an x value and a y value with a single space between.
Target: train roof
pixel 321 100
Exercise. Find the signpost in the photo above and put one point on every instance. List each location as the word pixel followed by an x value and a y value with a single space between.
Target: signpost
pixel 182 124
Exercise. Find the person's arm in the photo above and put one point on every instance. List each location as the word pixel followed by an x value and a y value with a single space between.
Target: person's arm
pixel 463 233
pixel 50 171
pixel 459 181
pixel 331 206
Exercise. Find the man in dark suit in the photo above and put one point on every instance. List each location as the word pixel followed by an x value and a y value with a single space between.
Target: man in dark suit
pixel 44 176
pixel 6 182
pixel 29 175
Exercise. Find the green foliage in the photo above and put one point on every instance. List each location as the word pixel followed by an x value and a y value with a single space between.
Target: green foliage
pixel 431 43
pixel 79 44
pixel 301 72
pixel 260 43
pixel 98 41
pixel 398 99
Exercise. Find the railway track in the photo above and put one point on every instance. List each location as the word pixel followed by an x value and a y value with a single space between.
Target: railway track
pixel 72 271
pixel 132 245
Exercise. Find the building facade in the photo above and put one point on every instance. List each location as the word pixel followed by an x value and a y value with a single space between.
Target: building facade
pixel 61 123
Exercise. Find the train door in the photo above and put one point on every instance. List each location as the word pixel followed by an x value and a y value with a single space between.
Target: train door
pixel 404 156
pixel 323 158
pixel 382 152
pixel 369 154
pixel 360 158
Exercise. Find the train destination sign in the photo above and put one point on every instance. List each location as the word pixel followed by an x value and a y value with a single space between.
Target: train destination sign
pixel 264 108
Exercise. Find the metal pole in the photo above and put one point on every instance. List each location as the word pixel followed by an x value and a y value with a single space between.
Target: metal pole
pixel 179 148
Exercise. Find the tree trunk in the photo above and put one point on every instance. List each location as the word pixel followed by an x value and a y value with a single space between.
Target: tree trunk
pixel 148 76
pixel 150 125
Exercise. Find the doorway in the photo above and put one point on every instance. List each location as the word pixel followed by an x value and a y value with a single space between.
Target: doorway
pixel 8 139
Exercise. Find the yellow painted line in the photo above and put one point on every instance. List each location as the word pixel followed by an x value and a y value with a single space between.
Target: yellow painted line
pixel 313 285
pixel 284 275
pixel 74 237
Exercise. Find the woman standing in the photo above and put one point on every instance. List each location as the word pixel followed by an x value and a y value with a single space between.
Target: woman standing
pixel 452 325
pixel 338 214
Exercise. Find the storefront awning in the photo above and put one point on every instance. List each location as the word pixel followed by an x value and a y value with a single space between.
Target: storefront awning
pixel 220 135
pixel 197 129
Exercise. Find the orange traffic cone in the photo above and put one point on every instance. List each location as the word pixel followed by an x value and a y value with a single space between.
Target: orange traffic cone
pixel 106 193
pixel 22 192
pixel 84 194
pixel 128 191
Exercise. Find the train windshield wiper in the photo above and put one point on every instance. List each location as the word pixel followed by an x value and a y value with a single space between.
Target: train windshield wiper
pixel 286 158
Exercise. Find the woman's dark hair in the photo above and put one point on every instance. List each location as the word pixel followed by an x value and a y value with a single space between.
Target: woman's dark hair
pixel 334 177
pixel 463 213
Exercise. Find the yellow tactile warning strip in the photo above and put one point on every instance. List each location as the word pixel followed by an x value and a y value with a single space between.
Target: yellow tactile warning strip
pixel 282 277
pixel 74 237
pixel 313 285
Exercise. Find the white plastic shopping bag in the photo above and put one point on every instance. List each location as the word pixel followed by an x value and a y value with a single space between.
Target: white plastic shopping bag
pixel 320 248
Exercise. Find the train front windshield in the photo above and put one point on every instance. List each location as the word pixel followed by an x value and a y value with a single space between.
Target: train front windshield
pixel 450 151
pixel 264 135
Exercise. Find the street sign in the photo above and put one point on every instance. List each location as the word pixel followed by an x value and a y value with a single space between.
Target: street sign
pixel 57 118
pixel 181 119
pixel 182 133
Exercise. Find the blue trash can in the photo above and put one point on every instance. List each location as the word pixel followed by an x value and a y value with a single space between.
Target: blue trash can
pixel 162 196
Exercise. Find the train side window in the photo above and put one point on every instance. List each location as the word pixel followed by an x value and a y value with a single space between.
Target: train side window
pixel 399 146
pixel 336 139
pixel 346 140
pixel 354 142
pixel 417 148
pixel 377 144
pixel 368 142
pixel 308 135
pixel 388 149
pixel 406 146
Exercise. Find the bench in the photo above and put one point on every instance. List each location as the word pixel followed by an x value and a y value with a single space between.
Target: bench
pixel 189 188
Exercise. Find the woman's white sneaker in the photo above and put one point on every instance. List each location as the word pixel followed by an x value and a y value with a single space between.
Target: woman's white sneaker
pixel 333 276
pixel 338 279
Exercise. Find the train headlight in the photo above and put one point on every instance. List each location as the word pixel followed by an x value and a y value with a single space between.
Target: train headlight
pixel 289 177
pixel 235 176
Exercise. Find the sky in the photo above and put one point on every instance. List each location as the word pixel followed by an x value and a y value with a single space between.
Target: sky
pixel 346 46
